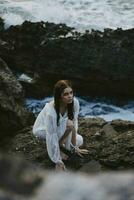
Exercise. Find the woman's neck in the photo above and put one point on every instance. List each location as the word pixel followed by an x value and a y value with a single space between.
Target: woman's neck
pixel 63 105
pixel 63 108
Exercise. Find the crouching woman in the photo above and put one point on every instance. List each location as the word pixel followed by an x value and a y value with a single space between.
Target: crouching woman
pixel 57 123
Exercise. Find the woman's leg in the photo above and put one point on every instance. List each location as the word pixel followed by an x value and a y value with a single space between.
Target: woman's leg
pixel 79 140
pixel 68 127
pixel 41 135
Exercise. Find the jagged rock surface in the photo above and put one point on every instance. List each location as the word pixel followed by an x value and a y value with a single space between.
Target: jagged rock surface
pixel 13 115
pixel 108 145
pixel 98 63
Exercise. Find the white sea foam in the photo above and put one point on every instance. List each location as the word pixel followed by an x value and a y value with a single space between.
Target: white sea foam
pixel 25 78
pixel 88 108
pixel 82 14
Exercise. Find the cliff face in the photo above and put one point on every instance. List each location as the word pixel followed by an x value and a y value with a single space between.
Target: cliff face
pixel 98 63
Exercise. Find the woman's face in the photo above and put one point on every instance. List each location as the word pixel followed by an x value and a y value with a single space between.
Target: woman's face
pixel 67 95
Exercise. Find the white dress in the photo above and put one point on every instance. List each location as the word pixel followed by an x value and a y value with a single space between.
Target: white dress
pixel 45 127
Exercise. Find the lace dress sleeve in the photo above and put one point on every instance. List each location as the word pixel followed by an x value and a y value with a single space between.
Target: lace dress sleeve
pixel 52 141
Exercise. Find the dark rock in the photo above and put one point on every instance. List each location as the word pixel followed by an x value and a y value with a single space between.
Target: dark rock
pixel 27 145
pixel 109 130
pixel 18 175
pixel 13 115
pixel 112 149
pixel 56 52
pixel 99 187
pixel 1 25
pixel 91 167
pixel 18 178
pixel 22 180
pixel 125 125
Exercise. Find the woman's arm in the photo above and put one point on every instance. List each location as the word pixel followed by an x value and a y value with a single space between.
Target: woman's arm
pixel 75 121
pixel 52 140
pixel 77 150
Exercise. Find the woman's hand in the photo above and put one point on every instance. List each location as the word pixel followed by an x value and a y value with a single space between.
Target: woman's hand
pixel 60 167
pixel 70 125
pixel 81 152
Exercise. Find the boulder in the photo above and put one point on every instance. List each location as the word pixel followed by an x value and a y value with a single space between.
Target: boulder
pixel 23 180
pixel 112 145
pixel 113 186
pixel 54 51
pixel 13 115
pixel 1 25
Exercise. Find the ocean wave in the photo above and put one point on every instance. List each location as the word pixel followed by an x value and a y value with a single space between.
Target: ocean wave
pixel 81 14
pixel 90 108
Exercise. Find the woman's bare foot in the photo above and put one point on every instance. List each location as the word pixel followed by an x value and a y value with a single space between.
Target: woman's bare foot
pixel 60 167
pixel 64 156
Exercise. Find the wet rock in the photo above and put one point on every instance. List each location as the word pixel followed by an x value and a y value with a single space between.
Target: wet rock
pixel 54 52
pixel 23 180
pixel 113 149
pixel 18 178
pixel 109 130
pixel 18 175
pixel 13 115
pixel 1 25
pixel 91 167
pixel 25 144
pixel 99 187
pixel 125 125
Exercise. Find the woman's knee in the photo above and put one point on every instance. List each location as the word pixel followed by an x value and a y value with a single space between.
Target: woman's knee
pixel 69 126
pixel 79 140
pixel 40 134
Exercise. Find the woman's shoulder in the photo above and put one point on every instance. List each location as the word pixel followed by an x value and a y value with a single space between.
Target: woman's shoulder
pixel 50 108
pixel 76 101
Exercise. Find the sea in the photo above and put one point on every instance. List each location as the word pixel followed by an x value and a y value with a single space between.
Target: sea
pixel 83 15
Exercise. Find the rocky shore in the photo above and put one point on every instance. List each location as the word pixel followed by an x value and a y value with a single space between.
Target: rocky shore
pixel 13 115
pixel 23 180
pixel 110 144
pixel 99 64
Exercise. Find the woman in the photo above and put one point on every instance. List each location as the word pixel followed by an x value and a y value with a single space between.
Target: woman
pixel 58 124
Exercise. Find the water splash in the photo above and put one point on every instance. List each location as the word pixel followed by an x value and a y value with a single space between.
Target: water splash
pixel 81 14
pixel 90 108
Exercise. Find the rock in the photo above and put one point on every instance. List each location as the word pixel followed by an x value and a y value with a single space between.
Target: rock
pixel 18 178
pixel 1 25
pixel 18 175
pixel 109 130
pixel 93 122
pixel 77 187
pixel 125 125
pixel 112 150
pixel 55 51
pixel 25 144
pixel 13 115
pixel 91 167
pixel 21 179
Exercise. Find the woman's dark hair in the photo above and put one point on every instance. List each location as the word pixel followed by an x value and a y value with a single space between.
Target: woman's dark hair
pixel 58 90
